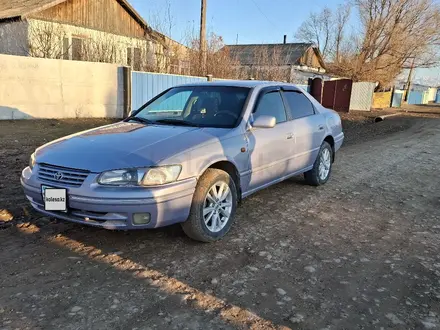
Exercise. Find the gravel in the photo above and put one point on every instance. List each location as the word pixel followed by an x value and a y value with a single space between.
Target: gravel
pixel 297 257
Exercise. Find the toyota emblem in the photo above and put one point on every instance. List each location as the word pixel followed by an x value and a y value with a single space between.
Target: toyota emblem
pixel 58 176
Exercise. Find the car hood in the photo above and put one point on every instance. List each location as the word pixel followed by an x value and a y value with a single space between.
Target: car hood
pixel 124 145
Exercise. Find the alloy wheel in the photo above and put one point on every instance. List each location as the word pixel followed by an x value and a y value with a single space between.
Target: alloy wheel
pixel 324 164
pixel 217 206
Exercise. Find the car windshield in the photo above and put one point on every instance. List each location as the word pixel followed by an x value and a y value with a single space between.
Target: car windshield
pixel 199 106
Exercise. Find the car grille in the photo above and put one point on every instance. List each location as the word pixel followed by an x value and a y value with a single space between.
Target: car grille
pixel 63 175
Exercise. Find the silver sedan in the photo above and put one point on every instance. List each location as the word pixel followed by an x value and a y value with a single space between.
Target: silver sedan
pixel 187 156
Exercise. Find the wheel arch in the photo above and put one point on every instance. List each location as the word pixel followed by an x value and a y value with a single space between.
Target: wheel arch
pixel 230 168
pixel 330 140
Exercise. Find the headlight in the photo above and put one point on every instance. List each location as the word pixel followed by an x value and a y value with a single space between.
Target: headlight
pixel 32 161
pixel 141 176
pixel 161 175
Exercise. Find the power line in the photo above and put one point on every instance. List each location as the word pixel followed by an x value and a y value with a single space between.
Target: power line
pixel 264 14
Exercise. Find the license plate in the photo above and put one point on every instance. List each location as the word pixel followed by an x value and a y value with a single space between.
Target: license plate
pixel 55 199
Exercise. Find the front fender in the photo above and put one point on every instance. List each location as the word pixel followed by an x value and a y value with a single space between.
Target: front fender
pixel 195 162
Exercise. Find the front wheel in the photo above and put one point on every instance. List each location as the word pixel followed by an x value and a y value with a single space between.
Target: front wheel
pixel 213 207
pixel 322 168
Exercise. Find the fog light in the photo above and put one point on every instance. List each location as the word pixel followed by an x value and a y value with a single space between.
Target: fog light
pixel 141 218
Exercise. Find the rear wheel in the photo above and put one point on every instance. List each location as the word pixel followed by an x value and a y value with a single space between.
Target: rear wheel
pixel 322 168
pixel 213 207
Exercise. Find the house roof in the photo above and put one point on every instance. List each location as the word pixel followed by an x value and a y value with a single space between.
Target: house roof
pixel 21 8
pixel 290 53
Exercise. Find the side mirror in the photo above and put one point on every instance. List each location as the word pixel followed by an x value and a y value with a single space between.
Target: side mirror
pixel 264 122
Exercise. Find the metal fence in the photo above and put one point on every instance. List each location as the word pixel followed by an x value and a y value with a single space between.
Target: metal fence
pixel 397 99
pixel 362 96
pixel 418 97
pixel 146 85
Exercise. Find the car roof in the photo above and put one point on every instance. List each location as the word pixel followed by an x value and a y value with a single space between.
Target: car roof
pixel 239 83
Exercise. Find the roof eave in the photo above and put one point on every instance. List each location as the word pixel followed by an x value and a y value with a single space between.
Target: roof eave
pixel 124 3
pixel 133 13
pixel 10 19
pixel 44 7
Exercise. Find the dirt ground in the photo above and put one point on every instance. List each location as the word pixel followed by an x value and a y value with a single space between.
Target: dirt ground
pixel 361 252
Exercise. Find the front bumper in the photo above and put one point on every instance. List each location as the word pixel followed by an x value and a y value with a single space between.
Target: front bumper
pixel 114 207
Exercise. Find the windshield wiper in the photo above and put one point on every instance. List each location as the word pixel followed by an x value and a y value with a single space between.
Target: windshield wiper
pixel 140 120
pixel 176 122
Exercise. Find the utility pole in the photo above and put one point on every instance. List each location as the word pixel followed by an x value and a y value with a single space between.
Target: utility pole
pixel 203 37
pixel 408 82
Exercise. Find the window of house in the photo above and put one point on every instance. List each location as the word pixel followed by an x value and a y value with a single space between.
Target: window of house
pixel 130 56
pixel 271 104
pixel 66 48
pixel 299 104
pixel 77 49
pixel 137 59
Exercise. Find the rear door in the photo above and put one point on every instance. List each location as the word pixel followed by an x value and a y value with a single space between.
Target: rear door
pixel 308 128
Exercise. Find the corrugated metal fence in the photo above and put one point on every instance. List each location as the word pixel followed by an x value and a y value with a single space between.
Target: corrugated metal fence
pixel 362 96
pixel 418 97
pixel 147 85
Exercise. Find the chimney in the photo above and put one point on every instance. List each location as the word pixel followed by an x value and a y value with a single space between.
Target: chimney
pixel 285 39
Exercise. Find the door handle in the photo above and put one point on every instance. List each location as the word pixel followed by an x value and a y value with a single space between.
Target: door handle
pixel 320 127
pixel 289 136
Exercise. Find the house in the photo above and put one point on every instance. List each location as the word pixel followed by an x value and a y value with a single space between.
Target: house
pixel 84 30
pixel 297 61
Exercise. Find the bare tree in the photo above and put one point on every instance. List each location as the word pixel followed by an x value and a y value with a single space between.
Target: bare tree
pixel 45 39
pixel 219 63
pixel 391 33
pixel 394 33
pixel 319 30
pixel 269 63
pixel 163 21
pixel 342 16
pixel 102 48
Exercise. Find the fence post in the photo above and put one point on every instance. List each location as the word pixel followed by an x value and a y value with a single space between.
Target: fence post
pixel 127 80
pixel 209 77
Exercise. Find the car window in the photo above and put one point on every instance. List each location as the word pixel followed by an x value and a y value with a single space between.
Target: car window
pixel 175 102
pixel 271 104
pixel 299 104
pixel 201 106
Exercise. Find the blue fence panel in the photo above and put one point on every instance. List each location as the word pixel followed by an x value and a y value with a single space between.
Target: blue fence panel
pixel 145 86
pixel 397 99
pixel 415 97
pixel 304 87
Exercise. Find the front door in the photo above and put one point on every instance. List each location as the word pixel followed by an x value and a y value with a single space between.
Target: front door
pixel 270 149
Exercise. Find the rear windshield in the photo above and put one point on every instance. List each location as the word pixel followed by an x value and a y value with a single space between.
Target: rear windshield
pixel 201 106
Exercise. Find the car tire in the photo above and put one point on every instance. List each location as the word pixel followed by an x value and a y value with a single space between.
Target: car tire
pixel 207 221
pixel 322 168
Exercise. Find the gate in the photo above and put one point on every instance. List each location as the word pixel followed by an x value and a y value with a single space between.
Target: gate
pixel 336 94
pixel 316 88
